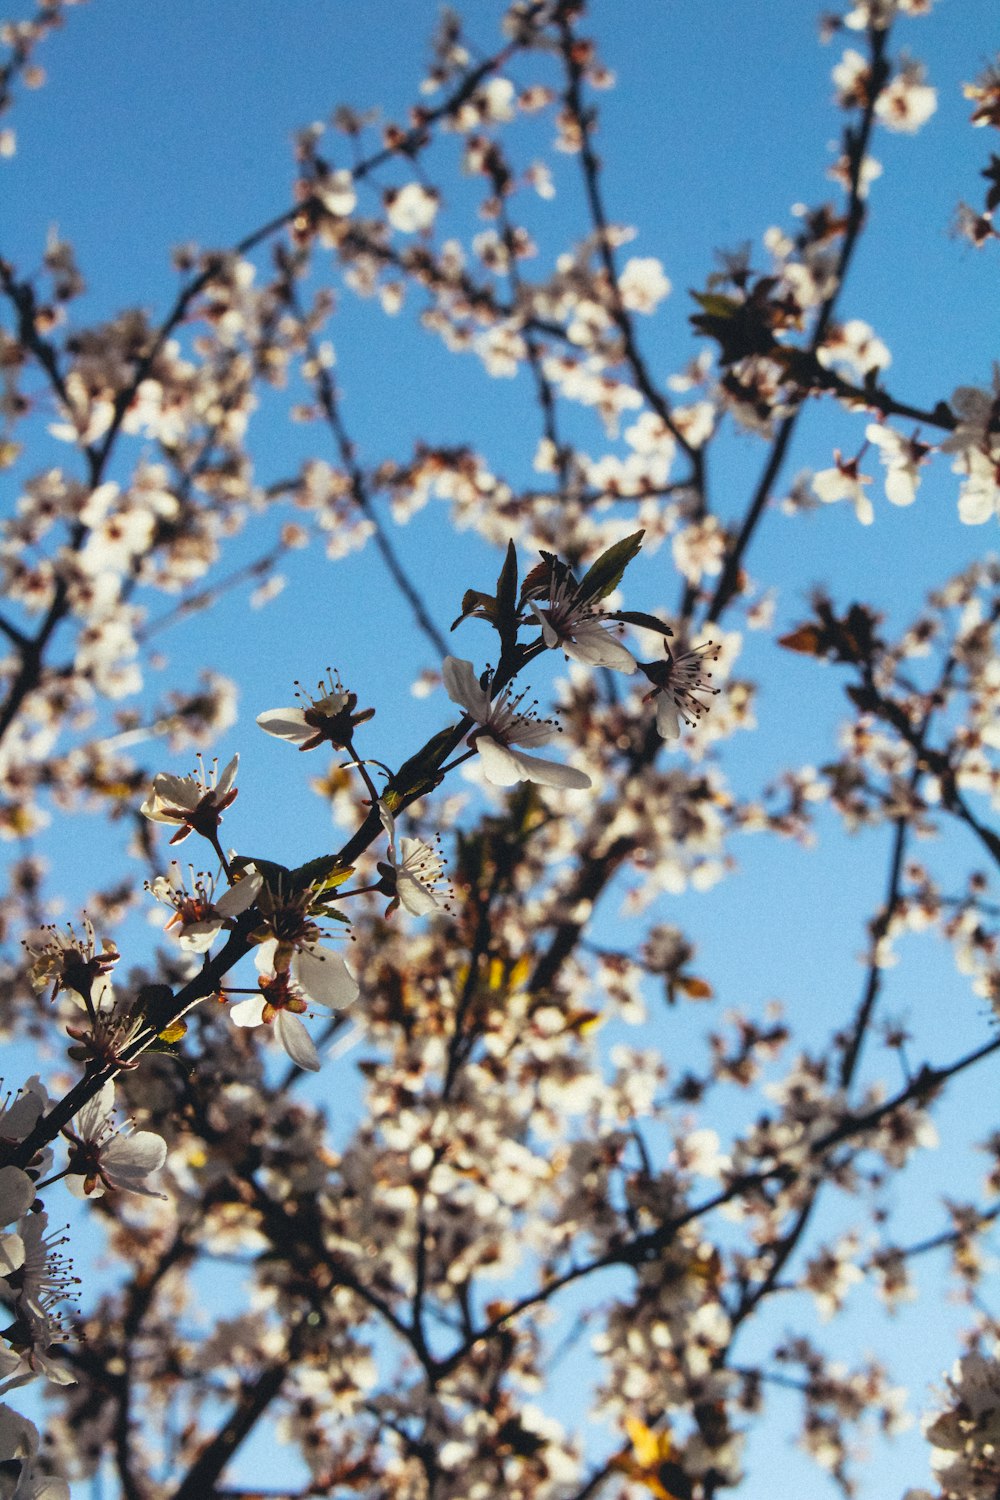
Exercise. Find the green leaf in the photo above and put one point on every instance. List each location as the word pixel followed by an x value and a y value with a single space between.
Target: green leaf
pixel 606 573
pixel 323 874
pixel 506 599
pixel 475 602
pixel 716 305
pixel 639 617
pixel 419 774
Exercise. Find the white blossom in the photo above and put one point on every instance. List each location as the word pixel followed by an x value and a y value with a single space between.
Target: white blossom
pixel 504 727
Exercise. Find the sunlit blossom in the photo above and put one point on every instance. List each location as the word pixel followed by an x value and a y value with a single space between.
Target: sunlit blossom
pixel 328 716
pixel 571 623
pixel 504 726
pixel 102 1156
pixel 198 916
pixel 195 803
pixel 414 874
pixel 67 962
pixel 677 682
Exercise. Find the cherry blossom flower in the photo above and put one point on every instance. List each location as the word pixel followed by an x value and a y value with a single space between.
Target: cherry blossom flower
pixel 198 917
pixel 411 875
pixel 642 284
pixel 907 102
pixel 70 963
pixel 977 451
pixel 676 682
pixel 844 482
pixel 570 623
pixel 503 727
pixel 902 457
pixel 412 207
pixel 102 1157
pixel 46 1281
pixel 330 717
pixel 979 495
pixel 195 802
pixel 296 969
pixel 283 998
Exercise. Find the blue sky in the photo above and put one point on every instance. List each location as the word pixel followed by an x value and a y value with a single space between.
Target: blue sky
pixel 161 125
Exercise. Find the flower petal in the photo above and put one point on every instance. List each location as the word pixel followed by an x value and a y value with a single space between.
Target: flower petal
pixel 248 1012
pixel 668 720
pixel 500 766
pixel 596 647
pixel 551 772
pixel 239 896
pixel 323 977
pixel 89 1121
pixel 17 1193
pixel 11 1251
pixel 462 686
pixel 286 724
pixel 296 1041
pixel 226 780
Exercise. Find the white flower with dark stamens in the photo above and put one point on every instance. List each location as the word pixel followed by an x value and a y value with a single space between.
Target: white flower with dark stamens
pixel 330 717
pixel 68 962
pixel 845 482
pixel 570 622
pixel 195 802
pixel 282 1000
pixel 290 943
pixel 318 973
pixel 102 1157
pixel 676 682
pixel 503 727
pixel 411 876
pixel 198 917
pixel 46 1281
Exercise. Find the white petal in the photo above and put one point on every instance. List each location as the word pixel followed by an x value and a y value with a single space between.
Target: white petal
pixel 596 647
pixel 524 731
pixel 90 1120
pixel 500 766
pixel 248 1012
pixel 296 1041
pixel 549 635
pixel 901 486
pixel 239 896
pixel 11 1251
pixel 264 957
pixel 323 977
pixel 129 1159
pixel 176 791
pixel 227 778
pixel 415 896
pixel 551 772
pixel 668 720
pixel 975 506
pixel 17 1193
pixel 462 686
pixel 198 937
pixel 286 724
pixel 389 824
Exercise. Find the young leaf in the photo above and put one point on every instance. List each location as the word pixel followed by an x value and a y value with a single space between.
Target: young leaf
pixel 475 602
pixel 639 617
pixel 606 573
pixel 506 600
